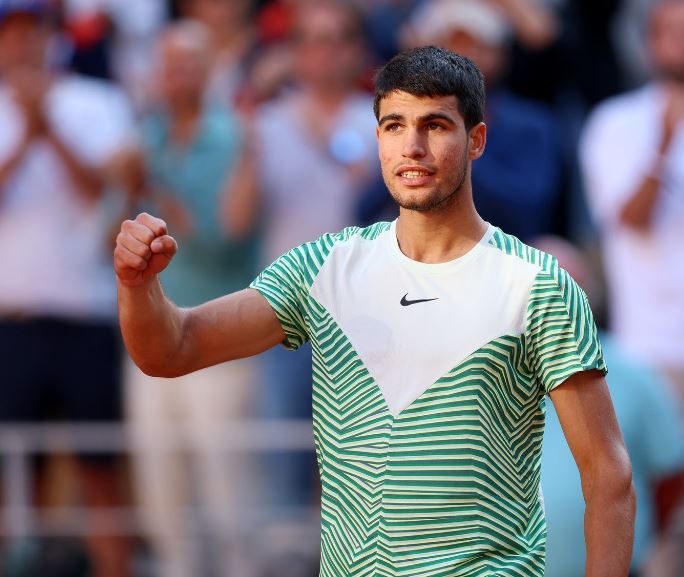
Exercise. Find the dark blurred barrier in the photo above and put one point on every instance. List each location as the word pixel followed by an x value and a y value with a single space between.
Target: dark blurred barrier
pixel 19 519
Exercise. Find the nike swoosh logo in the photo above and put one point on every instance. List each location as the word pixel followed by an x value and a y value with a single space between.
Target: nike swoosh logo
pixel 405 302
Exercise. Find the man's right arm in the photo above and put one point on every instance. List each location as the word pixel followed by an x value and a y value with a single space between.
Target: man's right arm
pixel 165 340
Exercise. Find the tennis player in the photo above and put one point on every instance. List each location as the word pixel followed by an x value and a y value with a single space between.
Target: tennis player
pixel 436 340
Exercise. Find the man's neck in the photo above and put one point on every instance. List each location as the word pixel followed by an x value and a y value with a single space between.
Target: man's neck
pixel 440 236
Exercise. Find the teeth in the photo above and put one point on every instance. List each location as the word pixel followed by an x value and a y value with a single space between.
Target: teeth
pixel 413 174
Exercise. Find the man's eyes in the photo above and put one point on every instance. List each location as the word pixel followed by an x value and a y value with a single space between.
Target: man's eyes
pixel 431 126
pixel 435 126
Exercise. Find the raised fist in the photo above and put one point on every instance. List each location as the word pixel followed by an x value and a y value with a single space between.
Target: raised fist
pixel 143 249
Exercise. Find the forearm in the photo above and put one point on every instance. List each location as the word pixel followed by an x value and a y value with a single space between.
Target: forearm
pixel 152 328
pixel 609 524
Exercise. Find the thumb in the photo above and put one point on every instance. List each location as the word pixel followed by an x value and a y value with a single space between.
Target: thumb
pixel 165 245
pixel 163 249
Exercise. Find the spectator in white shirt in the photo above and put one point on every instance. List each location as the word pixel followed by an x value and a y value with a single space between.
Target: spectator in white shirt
pixel 59 345
pixel 632 156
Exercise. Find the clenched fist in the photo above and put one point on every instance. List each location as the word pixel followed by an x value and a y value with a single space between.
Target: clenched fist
pixel 143 249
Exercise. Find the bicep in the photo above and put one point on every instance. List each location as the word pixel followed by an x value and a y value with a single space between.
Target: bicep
pixel 587 416
pixel 235 326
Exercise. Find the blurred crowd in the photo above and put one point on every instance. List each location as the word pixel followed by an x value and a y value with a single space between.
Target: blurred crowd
pixel 248 126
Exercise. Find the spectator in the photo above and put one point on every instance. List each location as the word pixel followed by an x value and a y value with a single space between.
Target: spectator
pixel 315 149
pixel 115 38
pixel 517 181
pixel 653 435
pixel 632 156
pixel 189 150
pixel 58 338
pixel 233 41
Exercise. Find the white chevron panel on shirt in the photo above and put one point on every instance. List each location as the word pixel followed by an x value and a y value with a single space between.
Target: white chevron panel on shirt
pixel 362 284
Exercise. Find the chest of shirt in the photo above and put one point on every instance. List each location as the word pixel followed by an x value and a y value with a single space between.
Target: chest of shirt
pixel 409 324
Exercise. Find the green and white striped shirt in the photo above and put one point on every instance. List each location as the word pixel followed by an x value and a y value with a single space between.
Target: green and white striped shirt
pixel 428 395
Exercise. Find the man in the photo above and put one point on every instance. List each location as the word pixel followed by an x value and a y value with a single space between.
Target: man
pixel 59 344
pixel 435 337
pixel 632 156
pixel 190 149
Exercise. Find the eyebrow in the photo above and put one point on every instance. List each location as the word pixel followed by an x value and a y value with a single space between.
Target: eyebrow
pixel 421 119
pixel 390 117
pixel 436 116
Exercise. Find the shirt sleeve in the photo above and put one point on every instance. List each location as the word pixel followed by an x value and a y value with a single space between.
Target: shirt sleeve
pixel 284 286
pixel 561 335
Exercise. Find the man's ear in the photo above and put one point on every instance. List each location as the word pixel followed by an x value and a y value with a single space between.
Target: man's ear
pixel 477 137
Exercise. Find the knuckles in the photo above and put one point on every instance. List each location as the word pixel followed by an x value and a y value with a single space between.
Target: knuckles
pixel 156 225
pixel 133 250
pixel 125 260
pixel 136 230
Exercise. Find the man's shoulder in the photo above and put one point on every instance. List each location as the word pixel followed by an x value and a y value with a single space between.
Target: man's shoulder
pixel 350 234
pixel 305 261
pixel 546 266
pixel 511 245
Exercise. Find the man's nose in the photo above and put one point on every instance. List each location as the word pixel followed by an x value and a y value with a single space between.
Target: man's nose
pixel 414 145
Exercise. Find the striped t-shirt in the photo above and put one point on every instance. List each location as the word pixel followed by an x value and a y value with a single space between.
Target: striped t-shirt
pixel 428 397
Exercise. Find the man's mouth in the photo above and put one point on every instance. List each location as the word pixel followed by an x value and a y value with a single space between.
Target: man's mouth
pixel 414 174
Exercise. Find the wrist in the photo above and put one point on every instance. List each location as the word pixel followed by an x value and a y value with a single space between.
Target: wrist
pixel 138 284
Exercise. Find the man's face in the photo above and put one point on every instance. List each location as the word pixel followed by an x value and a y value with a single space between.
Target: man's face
pixel 667 40
pixel 425 150
pixel 183 72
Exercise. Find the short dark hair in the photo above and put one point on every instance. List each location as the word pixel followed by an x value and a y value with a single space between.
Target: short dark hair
pixel 430 71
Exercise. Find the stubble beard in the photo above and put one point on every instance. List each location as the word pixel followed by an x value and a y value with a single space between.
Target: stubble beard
pixel 435 203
